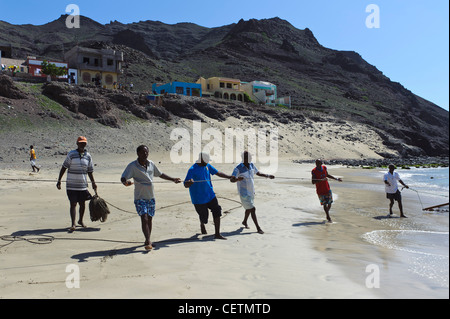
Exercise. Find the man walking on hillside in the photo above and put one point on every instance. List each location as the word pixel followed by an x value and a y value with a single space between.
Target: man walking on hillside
pixel 392 191
pixel 320 179
pixel 33 159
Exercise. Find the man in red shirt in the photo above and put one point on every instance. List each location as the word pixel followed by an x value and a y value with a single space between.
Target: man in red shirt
pixel 320 179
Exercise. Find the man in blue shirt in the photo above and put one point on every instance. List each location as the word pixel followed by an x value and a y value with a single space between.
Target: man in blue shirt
pixel 198 180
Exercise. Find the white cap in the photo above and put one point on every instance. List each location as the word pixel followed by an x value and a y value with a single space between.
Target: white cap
pixel 204 156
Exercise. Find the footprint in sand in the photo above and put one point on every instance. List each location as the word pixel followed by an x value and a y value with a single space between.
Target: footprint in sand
pixel 252 277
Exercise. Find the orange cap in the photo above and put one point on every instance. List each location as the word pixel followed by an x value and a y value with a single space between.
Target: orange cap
pixel 81 139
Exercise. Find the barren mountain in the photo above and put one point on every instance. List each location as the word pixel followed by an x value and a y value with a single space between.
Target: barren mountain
pixel 323 83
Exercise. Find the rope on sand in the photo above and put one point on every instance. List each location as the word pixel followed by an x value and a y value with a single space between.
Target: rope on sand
pixel 47 239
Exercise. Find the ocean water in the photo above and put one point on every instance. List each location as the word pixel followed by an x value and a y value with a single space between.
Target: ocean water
pixel 428 182
pixel 421 240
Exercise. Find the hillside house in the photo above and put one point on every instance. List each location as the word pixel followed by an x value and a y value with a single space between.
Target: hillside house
pixel 13 65
pixel 5 51
pixel 261 92
pixel 100 67
pixel 265 93
pixel 183 88
pixel 35 66
pixel 222 88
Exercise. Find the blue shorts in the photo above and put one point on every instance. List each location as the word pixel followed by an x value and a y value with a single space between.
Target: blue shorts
pixel 145 206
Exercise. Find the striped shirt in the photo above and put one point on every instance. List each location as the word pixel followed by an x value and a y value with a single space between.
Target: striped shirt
pixel 78 165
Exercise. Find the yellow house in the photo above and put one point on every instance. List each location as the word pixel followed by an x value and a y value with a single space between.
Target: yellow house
pixel 222 88
pixel 100 67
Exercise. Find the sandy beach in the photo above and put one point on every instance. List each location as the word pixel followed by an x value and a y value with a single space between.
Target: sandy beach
pixel 299 256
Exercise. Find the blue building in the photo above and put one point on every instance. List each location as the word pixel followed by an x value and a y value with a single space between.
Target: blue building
pixel 189 89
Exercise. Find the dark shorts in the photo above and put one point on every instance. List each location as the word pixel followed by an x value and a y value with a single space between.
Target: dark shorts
pixel 396 196
pixel 202 210
pixel 78 196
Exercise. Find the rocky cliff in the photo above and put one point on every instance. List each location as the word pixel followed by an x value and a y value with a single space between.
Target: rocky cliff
pixel 323 83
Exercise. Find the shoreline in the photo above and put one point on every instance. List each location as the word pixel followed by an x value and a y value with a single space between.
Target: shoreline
pixel 363 216
pixel 402 163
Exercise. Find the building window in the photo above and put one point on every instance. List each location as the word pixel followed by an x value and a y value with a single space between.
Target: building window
pixel 233 96
pixel 86 60
pixel 225 96
pixel 110 62
pixel 229 86
pixel 188 91
pixel 86 77
pixel 195 92
pixel 222 85
pixel 179 90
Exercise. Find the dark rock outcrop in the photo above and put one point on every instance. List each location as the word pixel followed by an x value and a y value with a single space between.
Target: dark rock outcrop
pixel 9 90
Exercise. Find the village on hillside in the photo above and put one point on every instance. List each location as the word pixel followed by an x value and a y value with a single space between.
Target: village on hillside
pixel 103 67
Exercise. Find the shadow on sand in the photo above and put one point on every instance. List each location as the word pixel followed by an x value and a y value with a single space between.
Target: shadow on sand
pixel 139 249
pixel 309 224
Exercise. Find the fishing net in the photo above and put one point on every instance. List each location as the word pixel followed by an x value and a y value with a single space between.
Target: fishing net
pixel 98 208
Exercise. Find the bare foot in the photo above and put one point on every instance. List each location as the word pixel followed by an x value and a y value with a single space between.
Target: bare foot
pixel 245 225
pixel 148 245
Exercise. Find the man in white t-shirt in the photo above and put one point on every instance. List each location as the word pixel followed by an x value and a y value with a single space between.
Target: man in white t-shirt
pixel 143 171
pixel 244 174
pixel 392 191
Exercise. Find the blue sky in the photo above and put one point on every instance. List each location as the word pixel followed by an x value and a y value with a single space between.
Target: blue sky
pixel 411 45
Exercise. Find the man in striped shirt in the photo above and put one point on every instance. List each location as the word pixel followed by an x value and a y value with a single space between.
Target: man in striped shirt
pixel 79 165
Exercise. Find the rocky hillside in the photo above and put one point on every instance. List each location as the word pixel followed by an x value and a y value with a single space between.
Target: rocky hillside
pixel 323 83
pixel 52 115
